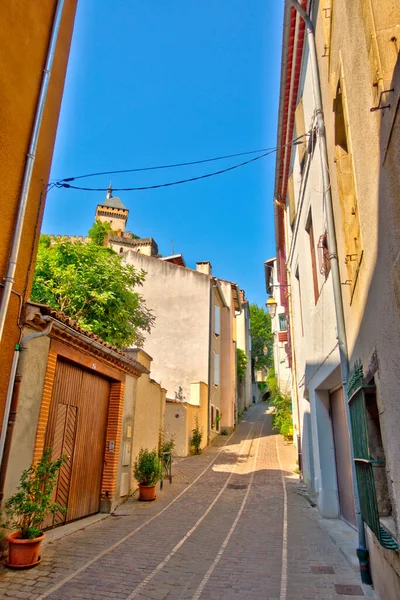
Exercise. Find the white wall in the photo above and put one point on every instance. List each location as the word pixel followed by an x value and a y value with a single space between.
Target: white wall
pixel 179 340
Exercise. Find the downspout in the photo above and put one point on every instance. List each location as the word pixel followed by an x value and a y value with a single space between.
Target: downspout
pixel 11 406
pixel 362 552
pixel 212 286
pixel 29 164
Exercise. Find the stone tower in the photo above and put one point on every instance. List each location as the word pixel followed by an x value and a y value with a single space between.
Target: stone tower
pixel 112 211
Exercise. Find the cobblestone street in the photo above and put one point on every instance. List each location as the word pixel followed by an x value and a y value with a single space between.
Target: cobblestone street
pixel 232 525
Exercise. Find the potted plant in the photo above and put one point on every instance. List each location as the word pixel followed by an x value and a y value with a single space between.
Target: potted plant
pixel 27 509
pixel 147 470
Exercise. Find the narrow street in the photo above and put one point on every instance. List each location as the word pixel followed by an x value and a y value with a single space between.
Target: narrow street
pixel 232 525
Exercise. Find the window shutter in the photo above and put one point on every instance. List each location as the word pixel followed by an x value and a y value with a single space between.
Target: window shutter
pixel 216 368
pixel 217 320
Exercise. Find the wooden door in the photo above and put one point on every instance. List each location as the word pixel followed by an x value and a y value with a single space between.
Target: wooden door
pixel 342 457
pixel 77 427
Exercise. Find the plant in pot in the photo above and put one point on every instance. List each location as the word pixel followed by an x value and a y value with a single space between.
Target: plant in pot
pixel 147 470
pixel 27 509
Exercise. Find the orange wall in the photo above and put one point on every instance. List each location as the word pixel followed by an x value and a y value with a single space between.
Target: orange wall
pixel 26 28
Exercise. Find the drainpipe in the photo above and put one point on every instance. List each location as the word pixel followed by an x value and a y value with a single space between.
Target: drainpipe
pixel 29 164
pixel 362 552
pixel 11 406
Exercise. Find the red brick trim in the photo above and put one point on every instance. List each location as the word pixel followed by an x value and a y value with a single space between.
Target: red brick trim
pixel 45 405
pixel 114 428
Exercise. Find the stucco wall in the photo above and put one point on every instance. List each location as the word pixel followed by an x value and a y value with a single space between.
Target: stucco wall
pixel 314 323
pixel 175 425
pixel 228 364
pixel 32 368
pixel 216 347
pixel 179 340
pixel 375 149
pixel 149 409
pixel 124 476
pixel 244 343
pixel 22 58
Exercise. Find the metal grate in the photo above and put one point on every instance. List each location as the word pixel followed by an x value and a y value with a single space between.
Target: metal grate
pixel 237 486
pixel 363 460
pixel 322 570
pixel 348 590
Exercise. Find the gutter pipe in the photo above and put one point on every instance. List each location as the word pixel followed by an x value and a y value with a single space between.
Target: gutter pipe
pixel 29 164
pixel 362 552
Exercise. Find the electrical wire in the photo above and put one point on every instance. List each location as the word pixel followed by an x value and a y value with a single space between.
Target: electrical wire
pixel 173 166
pixel 63 183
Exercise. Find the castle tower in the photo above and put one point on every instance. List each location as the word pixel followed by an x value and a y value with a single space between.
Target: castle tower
pixel 112 211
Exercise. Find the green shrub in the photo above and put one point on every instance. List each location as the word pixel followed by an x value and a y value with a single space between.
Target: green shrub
pixel 197 436
pixel 282 417
pixel 164 444
pixel 147 468
pixel 32 503
pixel 241 364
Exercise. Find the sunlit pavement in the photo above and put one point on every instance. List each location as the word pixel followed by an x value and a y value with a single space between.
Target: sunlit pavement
pixel 231 525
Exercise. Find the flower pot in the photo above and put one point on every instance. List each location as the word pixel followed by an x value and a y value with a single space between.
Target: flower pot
pixel 23 554
pixel 147 492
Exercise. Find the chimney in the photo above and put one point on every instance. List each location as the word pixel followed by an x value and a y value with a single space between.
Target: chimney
pixel 204 267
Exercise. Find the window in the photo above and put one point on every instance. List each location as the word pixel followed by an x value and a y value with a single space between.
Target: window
pixel 310 232
pixel 291 201
pixel 217 420
pixel 217 320
pixel 282 322
pixel 216 368
pixel 323 255
pixel 347 194
pixel 369 455
pixel 269 276
pixel 300 304
pixel 300 130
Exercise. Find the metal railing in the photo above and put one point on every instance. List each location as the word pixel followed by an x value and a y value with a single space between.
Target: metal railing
pixel 166 460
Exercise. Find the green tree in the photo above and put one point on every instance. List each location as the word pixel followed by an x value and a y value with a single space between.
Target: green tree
pixel 241 364
pixel 261 336
pixel 99 232
pixel 91 284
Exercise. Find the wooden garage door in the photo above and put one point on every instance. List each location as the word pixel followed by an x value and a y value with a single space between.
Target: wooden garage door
pixel 77 427
pixel 342 456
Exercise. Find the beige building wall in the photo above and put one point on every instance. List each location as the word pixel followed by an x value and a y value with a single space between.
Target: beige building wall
pixel 180 420
pixel 32 370
pixel 228 365
pixel 179 340
pixel 218 306
pixel 362 42
pixel 149 409
pixel 244 343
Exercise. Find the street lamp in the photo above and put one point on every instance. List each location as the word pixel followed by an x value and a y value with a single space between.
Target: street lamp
pixel 271 305
pixel 265 351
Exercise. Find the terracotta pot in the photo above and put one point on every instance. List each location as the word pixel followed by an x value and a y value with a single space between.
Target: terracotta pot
pixel 147 493
pixel 23 554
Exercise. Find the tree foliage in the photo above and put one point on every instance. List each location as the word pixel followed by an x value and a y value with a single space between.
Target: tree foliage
pixel 241 364
pixel 282 419
pixel 99 232
pixel 261 336
pixel 90 283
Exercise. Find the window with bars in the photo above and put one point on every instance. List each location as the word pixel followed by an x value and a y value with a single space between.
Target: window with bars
pixel 369 456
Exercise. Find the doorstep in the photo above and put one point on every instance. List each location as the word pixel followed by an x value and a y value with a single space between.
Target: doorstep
pixel 344 537
pixel 63 530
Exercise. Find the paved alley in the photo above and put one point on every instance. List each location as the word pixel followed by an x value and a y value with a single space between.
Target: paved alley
pixel 231 525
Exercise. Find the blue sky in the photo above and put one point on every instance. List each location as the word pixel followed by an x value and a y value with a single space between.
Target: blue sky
pixel 161 82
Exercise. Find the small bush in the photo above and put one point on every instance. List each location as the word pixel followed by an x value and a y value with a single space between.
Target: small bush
pixel 197 436
pixel 32 503
pixel 282 417
pixel 224 432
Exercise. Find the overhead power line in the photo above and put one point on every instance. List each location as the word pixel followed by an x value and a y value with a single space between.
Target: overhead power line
pixel 63 183
pixel 173 166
